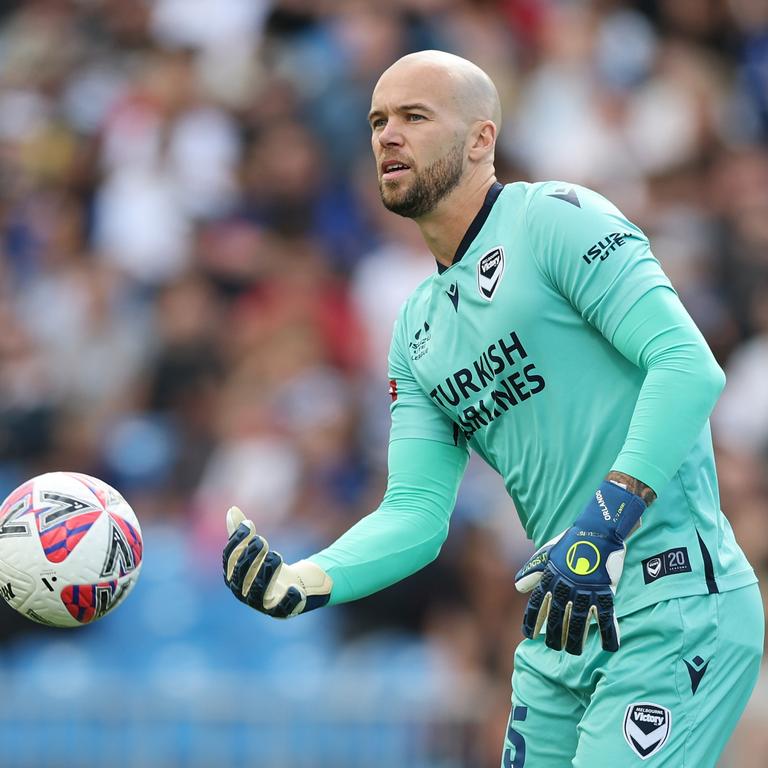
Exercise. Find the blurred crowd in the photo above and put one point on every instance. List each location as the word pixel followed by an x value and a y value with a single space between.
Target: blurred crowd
pixel 198 281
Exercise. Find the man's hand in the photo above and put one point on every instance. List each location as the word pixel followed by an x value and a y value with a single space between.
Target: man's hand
pixel 260 578
pixel 574 576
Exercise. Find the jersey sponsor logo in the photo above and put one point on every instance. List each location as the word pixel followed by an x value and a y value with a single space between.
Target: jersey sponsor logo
pixel 646 728
pixel 668 563
pixel 453 294
pixel 604 247
pixel 393 389
pixel 696 670
pixel 419 345
pixel 502 365
pixel 583 557
pixel 490 270
pixel 567 194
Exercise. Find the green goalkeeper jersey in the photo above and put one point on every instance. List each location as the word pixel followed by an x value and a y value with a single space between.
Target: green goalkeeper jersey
pixel 510 352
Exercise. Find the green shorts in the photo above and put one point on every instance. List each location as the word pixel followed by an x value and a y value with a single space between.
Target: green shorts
pixel 671 695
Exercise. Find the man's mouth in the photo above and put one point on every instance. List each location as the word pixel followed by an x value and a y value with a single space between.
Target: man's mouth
pixel 393 169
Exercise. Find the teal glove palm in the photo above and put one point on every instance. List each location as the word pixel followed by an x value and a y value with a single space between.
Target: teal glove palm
pixel 573 577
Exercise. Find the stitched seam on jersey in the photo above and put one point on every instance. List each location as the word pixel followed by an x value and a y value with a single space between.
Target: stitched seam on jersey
pixel 692 516
pixel 539 267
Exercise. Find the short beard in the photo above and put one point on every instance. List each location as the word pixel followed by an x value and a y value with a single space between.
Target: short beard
pixel 430 186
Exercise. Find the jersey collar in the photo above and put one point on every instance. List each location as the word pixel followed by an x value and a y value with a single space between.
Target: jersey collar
pixel 477 224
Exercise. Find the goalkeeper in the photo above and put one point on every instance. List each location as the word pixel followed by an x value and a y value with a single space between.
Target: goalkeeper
pixel 550 342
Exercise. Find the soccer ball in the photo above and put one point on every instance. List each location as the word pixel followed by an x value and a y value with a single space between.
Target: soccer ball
pixel 70 549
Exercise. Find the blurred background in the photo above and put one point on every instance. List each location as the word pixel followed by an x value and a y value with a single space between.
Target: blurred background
pixel 197 288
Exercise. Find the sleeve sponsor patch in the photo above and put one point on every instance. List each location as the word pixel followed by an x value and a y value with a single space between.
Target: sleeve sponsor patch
pixel 668 563
pixel 604 247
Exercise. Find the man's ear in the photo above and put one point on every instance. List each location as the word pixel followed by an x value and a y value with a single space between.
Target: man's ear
pixel 483 139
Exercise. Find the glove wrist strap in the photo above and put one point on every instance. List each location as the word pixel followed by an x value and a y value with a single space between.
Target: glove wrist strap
pixel 613 510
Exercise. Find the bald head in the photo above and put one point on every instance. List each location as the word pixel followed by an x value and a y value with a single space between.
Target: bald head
pixel 434 120
pixel 462 85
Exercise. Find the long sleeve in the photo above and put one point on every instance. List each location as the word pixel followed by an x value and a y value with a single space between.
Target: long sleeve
pixel 408 529
pixel 682 384
pixel 603 265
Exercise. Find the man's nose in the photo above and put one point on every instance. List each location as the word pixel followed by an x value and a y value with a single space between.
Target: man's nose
pixel 390 134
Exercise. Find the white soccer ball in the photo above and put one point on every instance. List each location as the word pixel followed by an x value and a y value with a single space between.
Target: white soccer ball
pixel 70 549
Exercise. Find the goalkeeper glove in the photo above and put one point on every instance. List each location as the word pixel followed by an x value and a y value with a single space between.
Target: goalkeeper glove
pixel 574 576
pixel 258 576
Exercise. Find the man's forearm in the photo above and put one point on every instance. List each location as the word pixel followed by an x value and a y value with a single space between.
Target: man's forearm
pixel 406 532
pixel 633 485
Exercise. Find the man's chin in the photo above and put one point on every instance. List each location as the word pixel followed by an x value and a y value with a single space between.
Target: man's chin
pixel 403 200
pixel 393 199
pixel 406 211
pixel 395 204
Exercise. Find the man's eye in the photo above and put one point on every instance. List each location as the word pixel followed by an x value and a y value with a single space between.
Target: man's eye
pixel 379 122
pixel 412 117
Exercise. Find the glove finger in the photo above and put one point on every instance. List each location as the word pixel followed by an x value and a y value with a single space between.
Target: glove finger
pixel 566 623
pixel 248 564
pixel 535 609
pixel 236 545
pixel 538 605
pixel 235 516
pixel 554 633
pixel 578 625
pixel 576 635
pixel 606 620
pixel 543 616
pixel 293 602
pixel 269 565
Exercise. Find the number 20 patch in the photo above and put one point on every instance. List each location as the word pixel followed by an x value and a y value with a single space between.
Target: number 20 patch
pixel 666 564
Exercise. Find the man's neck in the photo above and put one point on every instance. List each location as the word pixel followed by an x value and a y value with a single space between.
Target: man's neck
pixel 444 228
